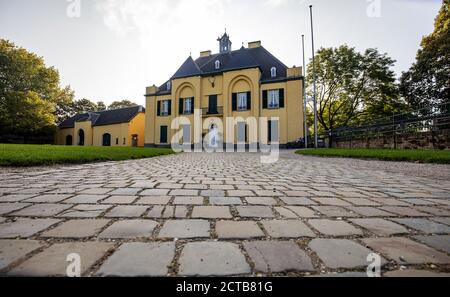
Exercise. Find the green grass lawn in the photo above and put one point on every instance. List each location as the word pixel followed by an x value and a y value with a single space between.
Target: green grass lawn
pixel 423 156
pixel 34 155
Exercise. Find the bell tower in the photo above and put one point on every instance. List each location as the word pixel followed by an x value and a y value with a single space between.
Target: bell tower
pixel 224 43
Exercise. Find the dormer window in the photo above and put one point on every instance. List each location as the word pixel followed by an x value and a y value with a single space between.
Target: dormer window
pixel 217 64
pixel 273 72
pixel 169 85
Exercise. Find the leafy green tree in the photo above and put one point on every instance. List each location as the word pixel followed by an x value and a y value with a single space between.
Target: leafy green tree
pixel 427 82
pixel 31 100
pixel 353 87
pixel 101 106
pixel 121 104
pixel 83 106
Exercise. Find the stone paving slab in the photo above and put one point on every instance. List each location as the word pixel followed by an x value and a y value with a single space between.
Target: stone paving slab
pixel 76 229
pixel 439 242
pixel 228 214
pixel 340 253
pixel 6 208
pixel 380 227
pixel 333 227
pixel 277 256
pixel 212 259
pixel 139 259
pixel 130 229
pixel 287 229
pixel 53 260
pixel 41 210
pixel 238 229
pixel 24 227
pixel 185 229
pixel 405 251
pixel 12 251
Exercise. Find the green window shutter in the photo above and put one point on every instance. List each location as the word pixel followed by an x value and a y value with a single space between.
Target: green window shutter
pixel 180 106
pixel 249 100
pixel 170 107
pixel 281 94
pixel 158 113
pixel 264 103
pixel 234 101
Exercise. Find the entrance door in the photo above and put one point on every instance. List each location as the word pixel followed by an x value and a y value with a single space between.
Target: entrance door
pixel 106 139
pixel 212 109
pixel 69 140
pixel 213 136
pixel 81 137
pixel 134 140
pixel 163 134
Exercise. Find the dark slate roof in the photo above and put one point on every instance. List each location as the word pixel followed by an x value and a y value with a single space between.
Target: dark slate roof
pixel 189 68
pixel 239 59
pixel 107 117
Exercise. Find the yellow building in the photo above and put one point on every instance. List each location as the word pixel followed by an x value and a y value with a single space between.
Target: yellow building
pixel 244 85
pixel 119 127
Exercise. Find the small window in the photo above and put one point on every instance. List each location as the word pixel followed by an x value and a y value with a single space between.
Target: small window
pixel 273 72
pixel 117 141
pixel 217 64
pixel 165 108
pixel 187 106
pixel 169 86
pixel 242 101
pixel 273 99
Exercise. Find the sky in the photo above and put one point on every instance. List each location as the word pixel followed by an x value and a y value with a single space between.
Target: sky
pixel 109 50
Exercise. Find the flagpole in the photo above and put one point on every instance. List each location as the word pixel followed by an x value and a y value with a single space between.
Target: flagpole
pixel 304 94
pixel 314 81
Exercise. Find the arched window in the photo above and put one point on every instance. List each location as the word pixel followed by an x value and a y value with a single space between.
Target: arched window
pixel 217 64
pixel 81 137
pixel 273 72
pixel 106 139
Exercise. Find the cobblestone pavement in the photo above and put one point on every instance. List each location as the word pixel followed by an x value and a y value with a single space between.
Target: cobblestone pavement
pixel 223 214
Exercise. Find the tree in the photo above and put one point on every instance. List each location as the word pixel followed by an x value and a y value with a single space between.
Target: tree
pixel 427 82
pixel 121 104
pixel 101 106
pixel 83 106
pixel 31 100
pixel 353 87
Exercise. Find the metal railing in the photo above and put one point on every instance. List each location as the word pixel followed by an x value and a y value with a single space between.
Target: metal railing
pixel 212 111
pixel 429 118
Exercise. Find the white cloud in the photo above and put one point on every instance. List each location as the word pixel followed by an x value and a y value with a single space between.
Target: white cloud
pixel 152 20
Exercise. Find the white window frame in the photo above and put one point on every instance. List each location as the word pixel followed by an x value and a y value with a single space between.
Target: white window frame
pixel 217 64
pixel 273 99
pixel 273 72
pixel 187 106
pixel 242 101
pixel 165 108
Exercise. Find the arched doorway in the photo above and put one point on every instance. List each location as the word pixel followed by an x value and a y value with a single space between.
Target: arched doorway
pixel 106 139
pixel 69 140
pixel 81 137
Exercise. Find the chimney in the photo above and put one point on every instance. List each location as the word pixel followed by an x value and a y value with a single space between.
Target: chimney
pixel 254 44
pixel 205 54
pixel 151 90
pixel 294 71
